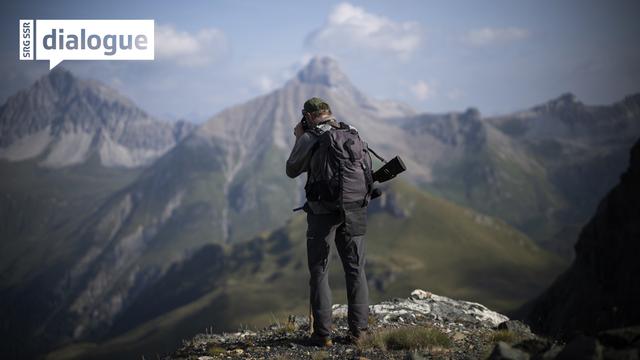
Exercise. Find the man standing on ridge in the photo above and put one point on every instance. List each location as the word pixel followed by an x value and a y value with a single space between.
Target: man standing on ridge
pixel 338 189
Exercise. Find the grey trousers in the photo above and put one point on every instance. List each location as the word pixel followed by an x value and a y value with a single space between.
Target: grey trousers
pixel 321 230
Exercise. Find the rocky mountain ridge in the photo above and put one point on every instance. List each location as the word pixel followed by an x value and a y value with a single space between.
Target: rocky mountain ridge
pixel 64 120
pixel 543 169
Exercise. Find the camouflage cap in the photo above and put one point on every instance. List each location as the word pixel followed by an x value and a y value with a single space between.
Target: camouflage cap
pixel 316 104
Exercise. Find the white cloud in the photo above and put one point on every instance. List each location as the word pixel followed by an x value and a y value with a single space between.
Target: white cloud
pixel 265 83
pixel 293 68
pixel 489 36
pixel 352 27
pixel 421 90
pixel 190 49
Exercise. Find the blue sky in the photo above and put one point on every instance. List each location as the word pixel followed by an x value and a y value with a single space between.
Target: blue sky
pixel 437 56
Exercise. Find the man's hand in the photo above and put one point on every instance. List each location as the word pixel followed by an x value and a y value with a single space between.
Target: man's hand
pixel 298 130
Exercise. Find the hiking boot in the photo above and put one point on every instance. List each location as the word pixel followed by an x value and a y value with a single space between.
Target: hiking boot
pixel 320 341
pixel 354 336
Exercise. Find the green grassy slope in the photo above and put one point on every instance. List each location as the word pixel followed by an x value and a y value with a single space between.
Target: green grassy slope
pixel 41 207
pixel 260 196
pixel 492 182
pixel 456 251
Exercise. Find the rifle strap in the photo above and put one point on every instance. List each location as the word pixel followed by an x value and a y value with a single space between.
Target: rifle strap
pixel 378 156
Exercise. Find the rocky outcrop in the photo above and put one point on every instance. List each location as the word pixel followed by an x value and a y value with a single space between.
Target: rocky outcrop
pixel 435 307
pixel 601 289
pixel 456 329
pixel 466 330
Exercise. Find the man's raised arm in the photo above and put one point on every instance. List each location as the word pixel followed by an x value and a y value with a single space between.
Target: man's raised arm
pixel 298 161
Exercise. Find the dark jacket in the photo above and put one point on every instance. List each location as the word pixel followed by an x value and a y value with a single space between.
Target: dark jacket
pixel 300 159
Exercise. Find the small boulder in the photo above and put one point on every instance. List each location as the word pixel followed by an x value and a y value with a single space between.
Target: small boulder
pixel 419 294
pixel 534 346
pixel 621 338
pixel 581 347
pixel 504 351
pixel 516 327
pixel 539 348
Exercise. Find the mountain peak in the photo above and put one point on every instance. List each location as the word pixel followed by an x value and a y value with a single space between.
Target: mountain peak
pixel 322 70
pixel 60 78
pixel 632 100
pixel 566 99
pixel 473 113
pixel 564 102
pixel 61 83
pixel 62 114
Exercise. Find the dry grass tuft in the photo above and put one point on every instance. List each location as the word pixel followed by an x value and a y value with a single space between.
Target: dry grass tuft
pixel 216 350
pixel 320 355
pixel 407 338
pixel 505 335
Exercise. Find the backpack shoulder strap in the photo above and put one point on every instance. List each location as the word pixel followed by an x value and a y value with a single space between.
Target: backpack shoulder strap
pixel 345 126
pixel 316 131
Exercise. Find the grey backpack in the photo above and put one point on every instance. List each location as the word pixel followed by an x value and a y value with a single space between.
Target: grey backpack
pixel 340 169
